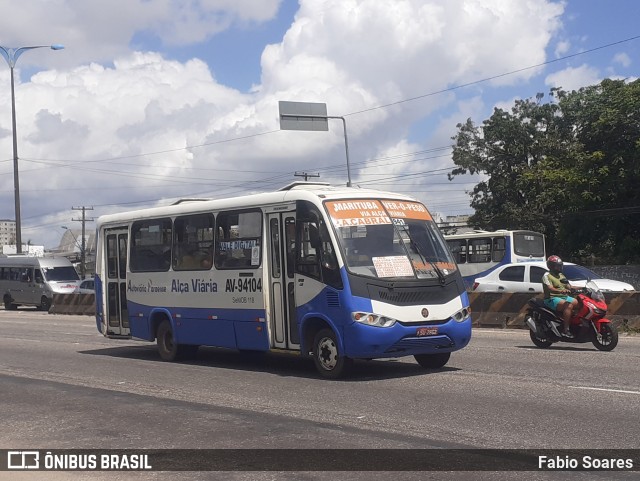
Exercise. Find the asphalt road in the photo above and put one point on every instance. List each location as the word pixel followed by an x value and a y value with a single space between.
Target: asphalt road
pixel 64 386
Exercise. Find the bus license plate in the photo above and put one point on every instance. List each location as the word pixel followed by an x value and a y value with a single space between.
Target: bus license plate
pixel 427 331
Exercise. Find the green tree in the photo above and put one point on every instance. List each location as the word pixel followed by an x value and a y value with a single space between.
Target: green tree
pixel 568 168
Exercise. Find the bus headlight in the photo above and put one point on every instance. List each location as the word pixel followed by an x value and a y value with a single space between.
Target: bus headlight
pixel 462 314
pixel 371 319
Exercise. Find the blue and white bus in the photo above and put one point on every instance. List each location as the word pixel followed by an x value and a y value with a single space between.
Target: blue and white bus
pixel 479 252
pixel 333 273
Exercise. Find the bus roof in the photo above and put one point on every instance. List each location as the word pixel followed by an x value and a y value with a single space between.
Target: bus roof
pixel 292 192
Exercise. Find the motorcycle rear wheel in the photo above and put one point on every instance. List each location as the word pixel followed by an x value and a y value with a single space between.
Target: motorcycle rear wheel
pixel 540 342
pixel 607 339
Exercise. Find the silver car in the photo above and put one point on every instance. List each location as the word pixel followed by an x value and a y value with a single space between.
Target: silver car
pixel 86 287
pixel 527 277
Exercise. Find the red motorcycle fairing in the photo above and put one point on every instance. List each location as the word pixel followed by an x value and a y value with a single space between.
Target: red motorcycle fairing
pixel 600 322
pixel 591 310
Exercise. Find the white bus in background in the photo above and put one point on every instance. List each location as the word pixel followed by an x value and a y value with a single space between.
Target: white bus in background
pixel 32 281
pixel 479 252
pixel 334 273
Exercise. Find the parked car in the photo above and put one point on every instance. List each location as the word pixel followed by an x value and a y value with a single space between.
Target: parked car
pixel 527 277
pixel 86 287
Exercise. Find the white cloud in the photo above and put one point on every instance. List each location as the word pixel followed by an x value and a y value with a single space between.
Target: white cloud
pixel 622 58
pixel 573 78
pixel 562 48
pixel 84 125
pixel 400 48
pixel 95 30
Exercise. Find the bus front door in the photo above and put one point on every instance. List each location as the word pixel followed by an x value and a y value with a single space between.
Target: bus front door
pixel 116 319
pixel 282 307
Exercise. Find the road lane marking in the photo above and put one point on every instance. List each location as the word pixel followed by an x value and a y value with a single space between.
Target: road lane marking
pixel 603 389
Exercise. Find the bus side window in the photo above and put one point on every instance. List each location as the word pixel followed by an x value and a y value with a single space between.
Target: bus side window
pixel 193 242
pixel 315 254
pixel 151 245
pixel 499 249
pixel 480 250
pixel 308 258
pixel 329 261
pixel 458 248
pixel 239 240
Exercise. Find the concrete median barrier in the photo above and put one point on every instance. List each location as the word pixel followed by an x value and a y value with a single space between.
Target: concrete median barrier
pixel 83 304
pixel 488 309
pixel 507 310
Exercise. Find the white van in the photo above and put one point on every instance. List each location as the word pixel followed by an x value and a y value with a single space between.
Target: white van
pixel 32 281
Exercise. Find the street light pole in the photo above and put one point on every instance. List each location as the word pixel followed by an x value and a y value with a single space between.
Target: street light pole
pixel 11 55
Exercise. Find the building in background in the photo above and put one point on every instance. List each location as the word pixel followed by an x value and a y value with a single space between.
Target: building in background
pixel 27 250
pixel 454 224
pixel 7 232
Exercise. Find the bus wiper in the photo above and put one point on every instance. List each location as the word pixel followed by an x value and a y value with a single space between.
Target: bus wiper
pixel 438 271
pixel 425 259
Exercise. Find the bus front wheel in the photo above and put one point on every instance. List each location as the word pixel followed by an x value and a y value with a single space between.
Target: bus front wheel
pixel 167 346
pixel 433 361
pixel 329 361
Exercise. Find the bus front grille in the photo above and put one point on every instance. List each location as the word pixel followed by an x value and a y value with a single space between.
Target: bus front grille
pixel 413 343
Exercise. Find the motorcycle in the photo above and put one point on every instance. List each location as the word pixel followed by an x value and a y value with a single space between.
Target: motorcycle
pixel 588 323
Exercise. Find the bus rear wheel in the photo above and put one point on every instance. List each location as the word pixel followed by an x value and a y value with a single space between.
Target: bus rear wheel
pixel 329 361
pixel 433 361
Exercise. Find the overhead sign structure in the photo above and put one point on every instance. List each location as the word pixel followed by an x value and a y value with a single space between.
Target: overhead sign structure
pixel 303 116
pixel 310 116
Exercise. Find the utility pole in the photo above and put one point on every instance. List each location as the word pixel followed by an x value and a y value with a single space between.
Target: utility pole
pixel 84 220
pixel 306 175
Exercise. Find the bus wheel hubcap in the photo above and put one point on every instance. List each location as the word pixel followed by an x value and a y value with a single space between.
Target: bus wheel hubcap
pixel 327 353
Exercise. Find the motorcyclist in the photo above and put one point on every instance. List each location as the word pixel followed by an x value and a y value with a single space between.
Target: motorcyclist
pixel 556 292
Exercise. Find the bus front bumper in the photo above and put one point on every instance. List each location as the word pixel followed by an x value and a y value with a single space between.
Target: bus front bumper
pixel 368 342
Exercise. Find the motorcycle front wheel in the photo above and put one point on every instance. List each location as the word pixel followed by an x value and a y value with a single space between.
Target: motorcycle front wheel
pixel 607 338
pixel 540 342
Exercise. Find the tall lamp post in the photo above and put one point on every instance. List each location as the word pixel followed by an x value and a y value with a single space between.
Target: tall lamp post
pixel 11 55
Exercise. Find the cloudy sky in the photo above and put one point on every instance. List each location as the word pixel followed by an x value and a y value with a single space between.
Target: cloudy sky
pixel 152 101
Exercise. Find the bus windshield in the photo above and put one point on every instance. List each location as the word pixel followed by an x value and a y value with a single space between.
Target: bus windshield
pixel 383 239
pixel 65 273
